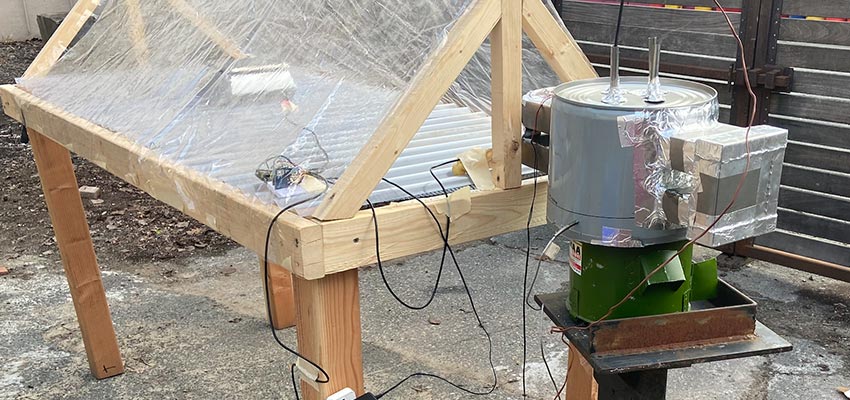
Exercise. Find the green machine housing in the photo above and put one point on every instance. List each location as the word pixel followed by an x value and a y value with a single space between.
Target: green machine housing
pixel 601 277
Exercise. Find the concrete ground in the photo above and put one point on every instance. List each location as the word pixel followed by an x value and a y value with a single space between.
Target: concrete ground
pixel 196 330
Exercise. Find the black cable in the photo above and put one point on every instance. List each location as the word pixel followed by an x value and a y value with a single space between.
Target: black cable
pixel 446 246
pixel 527 260
pixel 442 258
pixel 619 23
pixel 548 370
pixel 294 384
pixel 266 282
pixel 537 271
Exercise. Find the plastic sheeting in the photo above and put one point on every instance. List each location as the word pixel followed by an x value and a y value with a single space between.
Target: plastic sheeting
pixel 224 86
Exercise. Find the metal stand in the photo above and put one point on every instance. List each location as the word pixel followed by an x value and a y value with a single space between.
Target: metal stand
pixel 630 356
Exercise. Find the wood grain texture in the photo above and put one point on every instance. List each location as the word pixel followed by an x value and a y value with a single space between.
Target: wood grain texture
pixel 823 83
pixel 62 38
pixel 819 8
pixel 807 246
pixel 676 20
pixel 816 179
pixel 816 108
pixel 815 203
pixel 72 236
pixel 813 56
pixel 814 132
pixel 506 88
pixel 675 58
pixel 278 290
pixel 819 227
pixel 825 158
pixel 581 385
pixel 554 43
pixel 706 44
pixel 692 3
pixel 328 318
pixel 407 115
pixel 212 202
pixel 812 31
pixel 407 229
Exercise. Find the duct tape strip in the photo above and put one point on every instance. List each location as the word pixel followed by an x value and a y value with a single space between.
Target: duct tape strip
pixel 664 195
pixel 307 373
pixel 458 204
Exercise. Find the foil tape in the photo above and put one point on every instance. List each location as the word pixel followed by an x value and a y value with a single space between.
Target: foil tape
pixel 664 195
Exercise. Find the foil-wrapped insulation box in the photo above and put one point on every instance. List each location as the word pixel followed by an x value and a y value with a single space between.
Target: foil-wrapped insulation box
pixel 608 165
pixel 719 159
pixel 537 109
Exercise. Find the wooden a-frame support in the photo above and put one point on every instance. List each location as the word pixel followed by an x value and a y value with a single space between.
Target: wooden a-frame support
pixel 326 305
pixel 503 21
pixel 67 214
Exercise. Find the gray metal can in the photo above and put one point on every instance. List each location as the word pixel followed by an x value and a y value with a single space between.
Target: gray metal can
pixel 591 174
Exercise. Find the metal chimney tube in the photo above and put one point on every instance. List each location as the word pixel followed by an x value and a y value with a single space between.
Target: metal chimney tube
pixel 654 93
pixel 614 95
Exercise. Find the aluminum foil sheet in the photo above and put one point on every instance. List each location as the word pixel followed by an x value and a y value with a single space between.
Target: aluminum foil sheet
pixel 720 162
pixel 664 196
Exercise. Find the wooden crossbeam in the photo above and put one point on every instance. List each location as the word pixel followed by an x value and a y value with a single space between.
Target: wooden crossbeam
pixel 62 38
pixel 394 133
pixel 222 207
pixel 408 114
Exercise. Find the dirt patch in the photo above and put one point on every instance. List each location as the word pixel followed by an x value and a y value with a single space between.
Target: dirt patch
pixel 127 225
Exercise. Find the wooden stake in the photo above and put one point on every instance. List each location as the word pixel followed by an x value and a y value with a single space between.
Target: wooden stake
pixel 328 315
pixel 75 245
pixel 506 84
pixel 278 289
pixel 580 382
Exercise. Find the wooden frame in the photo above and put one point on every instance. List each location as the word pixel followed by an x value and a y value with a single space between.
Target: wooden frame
pixel 324 253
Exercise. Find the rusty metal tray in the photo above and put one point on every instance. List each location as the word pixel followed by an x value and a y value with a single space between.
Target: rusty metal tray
pixel 720 329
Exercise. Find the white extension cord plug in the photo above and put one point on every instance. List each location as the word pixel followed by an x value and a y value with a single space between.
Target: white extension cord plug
pixel 344 394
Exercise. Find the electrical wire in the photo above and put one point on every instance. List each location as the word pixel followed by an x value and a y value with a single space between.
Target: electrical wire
pixel 294 383
pixel 619 23
pixel 525 289
pixel 725 210
pixel 266 283
pixel 540 261
pixel 442 258
pixel 447 246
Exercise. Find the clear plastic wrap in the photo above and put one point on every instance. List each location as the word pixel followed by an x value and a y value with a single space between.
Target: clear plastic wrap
pixel 229 88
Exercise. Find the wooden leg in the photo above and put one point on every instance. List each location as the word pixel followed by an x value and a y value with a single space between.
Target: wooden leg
pixel 72 235
pixel 328 315
pixel 278 288
pixel 580 382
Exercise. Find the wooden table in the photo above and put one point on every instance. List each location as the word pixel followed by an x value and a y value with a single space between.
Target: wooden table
pixel 313 261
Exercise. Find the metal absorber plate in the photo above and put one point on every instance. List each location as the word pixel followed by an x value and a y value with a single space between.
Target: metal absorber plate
pixel 677 93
